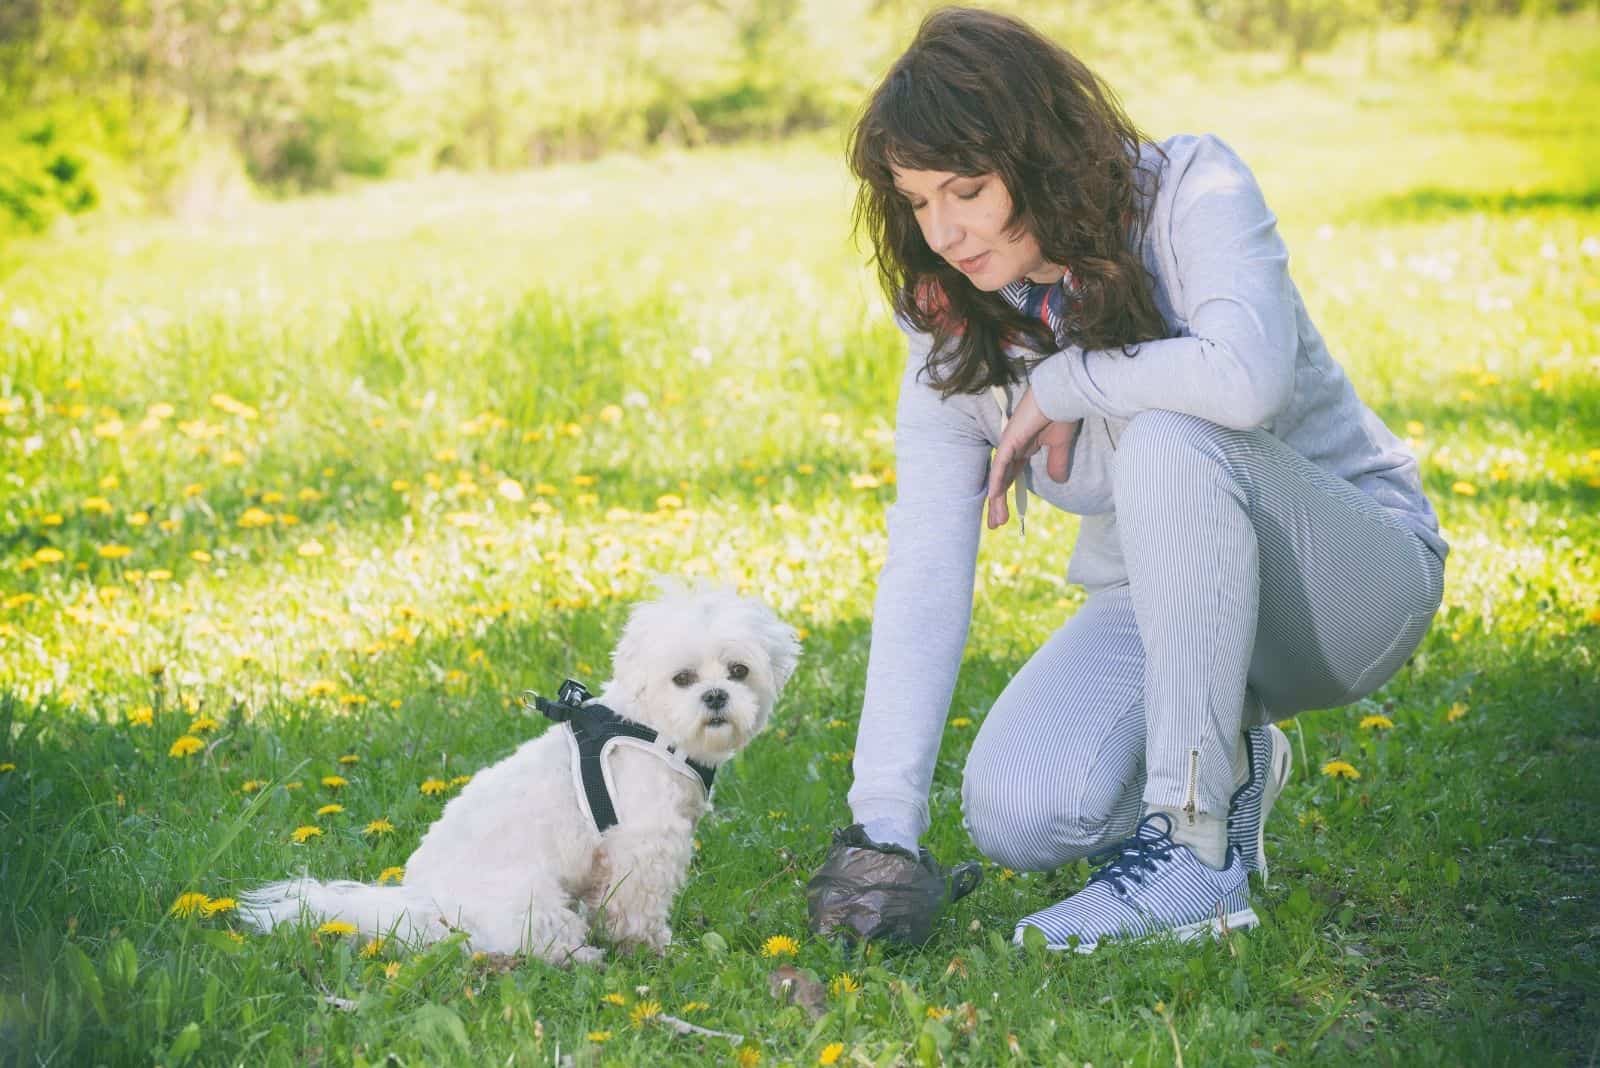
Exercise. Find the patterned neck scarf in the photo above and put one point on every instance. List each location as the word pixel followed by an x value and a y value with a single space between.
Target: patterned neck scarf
pixel 1043 301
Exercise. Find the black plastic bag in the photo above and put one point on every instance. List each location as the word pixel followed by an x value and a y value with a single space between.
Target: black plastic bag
pixel 867 889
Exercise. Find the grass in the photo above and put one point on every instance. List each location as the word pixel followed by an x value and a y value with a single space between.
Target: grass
pixel 380 461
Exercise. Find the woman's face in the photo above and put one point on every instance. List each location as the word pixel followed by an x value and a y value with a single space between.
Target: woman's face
pixel 963 219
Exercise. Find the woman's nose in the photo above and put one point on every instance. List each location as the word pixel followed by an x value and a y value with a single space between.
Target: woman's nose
pixel 943 232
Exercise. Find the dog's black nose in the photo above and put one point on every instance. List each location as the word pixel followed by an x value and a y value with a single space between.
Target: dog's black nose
pixel 715 699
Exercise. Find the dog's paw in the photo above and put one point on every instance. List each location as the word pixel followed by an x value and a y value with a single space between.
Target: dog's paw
pixel 586 955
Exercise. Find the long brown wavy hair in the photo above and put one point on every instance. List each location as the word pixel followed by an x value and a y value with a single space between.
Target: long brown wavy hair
pixel 983 93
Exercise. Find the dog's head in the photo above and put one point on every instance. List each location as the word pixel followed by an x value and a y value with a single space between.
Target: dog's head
pixel 703 667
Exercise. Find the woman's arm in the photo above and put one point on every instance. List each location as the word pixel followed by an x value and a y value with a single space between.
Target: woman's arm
pixel 923 606
pixel 1231 286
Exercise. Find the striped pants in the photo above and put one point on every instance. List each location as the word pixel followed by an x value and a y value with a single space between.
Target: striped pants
pixel 1258 586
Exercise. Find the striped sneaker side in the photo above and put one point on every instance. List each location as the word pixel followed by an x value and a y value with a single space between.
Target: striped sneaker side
pixel 1270 762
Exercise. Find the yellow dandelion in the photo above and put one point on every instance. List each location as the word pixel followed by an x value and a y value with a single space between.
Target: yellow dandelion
pixel 391 969
pixel 669 501
pixel 432 787
pixel 200 556
pixel 394 874
pixel 54 519
pixel 1340 769
pixel 335 782
pixel 1456 711
pixel 830 1053
pixel 49 555
pixel 305 833
pixel 961 722
pixel 189 905
pixel 330 810
pixel 748 1057
pixel 203 725
pixel 1376 722
pixel 695 1006
pixel 7 768
pixel 114 552
pixel 142 716
pixel 780 946
pixel 337 927
pixel 97 504
pixel 644 1010
pixel 321 688
pixel 1465 489
pixel 255 518
pixel 379 827
pixel 598 1036
pixel 374 948
pixel 864 482
pixel 349 758
pixel 187 745
pixel 219 905
pixel 615 998
pixel 937 1012
pixel 250 786
pixel 460 780
pixel 843 983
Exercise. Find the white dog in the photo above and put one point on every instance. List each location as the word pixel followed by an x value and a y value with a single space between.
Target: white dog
pixel 520 861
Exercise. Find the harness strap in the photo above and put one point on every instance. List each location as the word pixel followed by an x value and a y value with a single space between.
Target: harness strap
pixel 595 728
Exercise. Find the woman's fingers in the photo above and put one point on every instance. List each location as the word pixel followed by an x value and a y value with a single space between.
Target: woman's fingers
pixel 1002 472
pixel 1058 438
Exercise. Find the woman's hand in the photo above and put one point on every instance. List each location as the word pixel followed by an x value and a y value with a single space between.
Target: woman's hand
pixel 1026 433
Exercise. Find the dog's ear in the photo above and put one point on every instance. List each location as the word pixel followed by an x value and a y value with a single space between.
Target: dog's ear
pixel 781 642
pixel 631 654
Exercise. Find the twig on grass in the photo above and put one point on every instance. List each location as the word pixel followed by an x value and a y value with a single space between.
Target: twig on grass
pixel 684 1027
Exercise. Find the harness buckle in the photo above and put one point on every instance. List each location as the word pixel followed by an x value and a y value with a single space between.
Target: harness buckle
pixel 573 693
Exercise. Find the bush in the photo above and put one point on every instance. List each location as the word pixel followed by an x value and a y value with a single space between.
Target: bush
pixel 45 172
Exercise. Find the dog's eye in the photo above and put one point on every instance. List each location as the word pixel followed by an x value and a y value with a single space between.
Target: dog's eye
pixel 683 678
pixel 737 671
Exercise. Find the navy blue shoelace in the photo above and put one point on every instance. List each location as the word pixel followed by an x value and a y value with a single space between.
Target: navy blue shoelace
pixel 1129 859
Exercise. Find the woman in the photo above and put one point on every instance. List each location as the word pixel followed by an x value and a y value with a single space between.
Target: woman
pixel 1114 321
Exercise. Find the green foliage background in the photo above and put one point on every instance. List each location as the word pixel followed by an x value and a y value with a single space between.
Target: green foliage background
pixel 187 105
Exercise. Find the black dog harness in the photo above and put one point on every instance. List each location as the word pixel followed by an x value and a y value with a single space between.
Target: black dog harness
pixel 595 730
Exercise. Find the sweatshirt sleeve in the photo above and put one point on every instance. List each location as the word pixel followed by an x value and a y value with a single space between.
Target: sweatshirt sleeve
pixel 924 601
pixel 1236 367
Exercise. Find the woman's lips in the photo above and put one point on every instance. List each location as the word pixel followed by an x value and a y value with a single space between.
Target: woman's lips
pixel 973 265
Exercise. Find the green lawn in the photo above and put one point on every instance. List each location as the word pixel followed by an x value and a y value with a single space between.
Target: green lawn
pixel 340 477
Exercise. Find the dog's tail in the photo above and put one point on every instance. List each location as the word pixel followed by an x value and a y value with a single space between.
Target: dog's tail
pixel 401 911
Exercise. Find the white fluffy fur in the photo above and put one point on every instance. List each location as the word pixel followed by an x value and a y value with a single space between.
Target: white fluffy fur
pixel 515 863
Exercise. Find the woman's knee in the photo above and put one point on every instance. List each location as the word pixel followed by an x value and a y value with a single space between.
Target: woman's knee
pixel 1024 820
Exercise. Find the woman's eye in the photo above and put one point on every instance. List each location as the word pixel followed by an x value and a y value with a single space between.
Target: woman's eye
pixel 683 678
pixel 972 195
pixel 737 671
